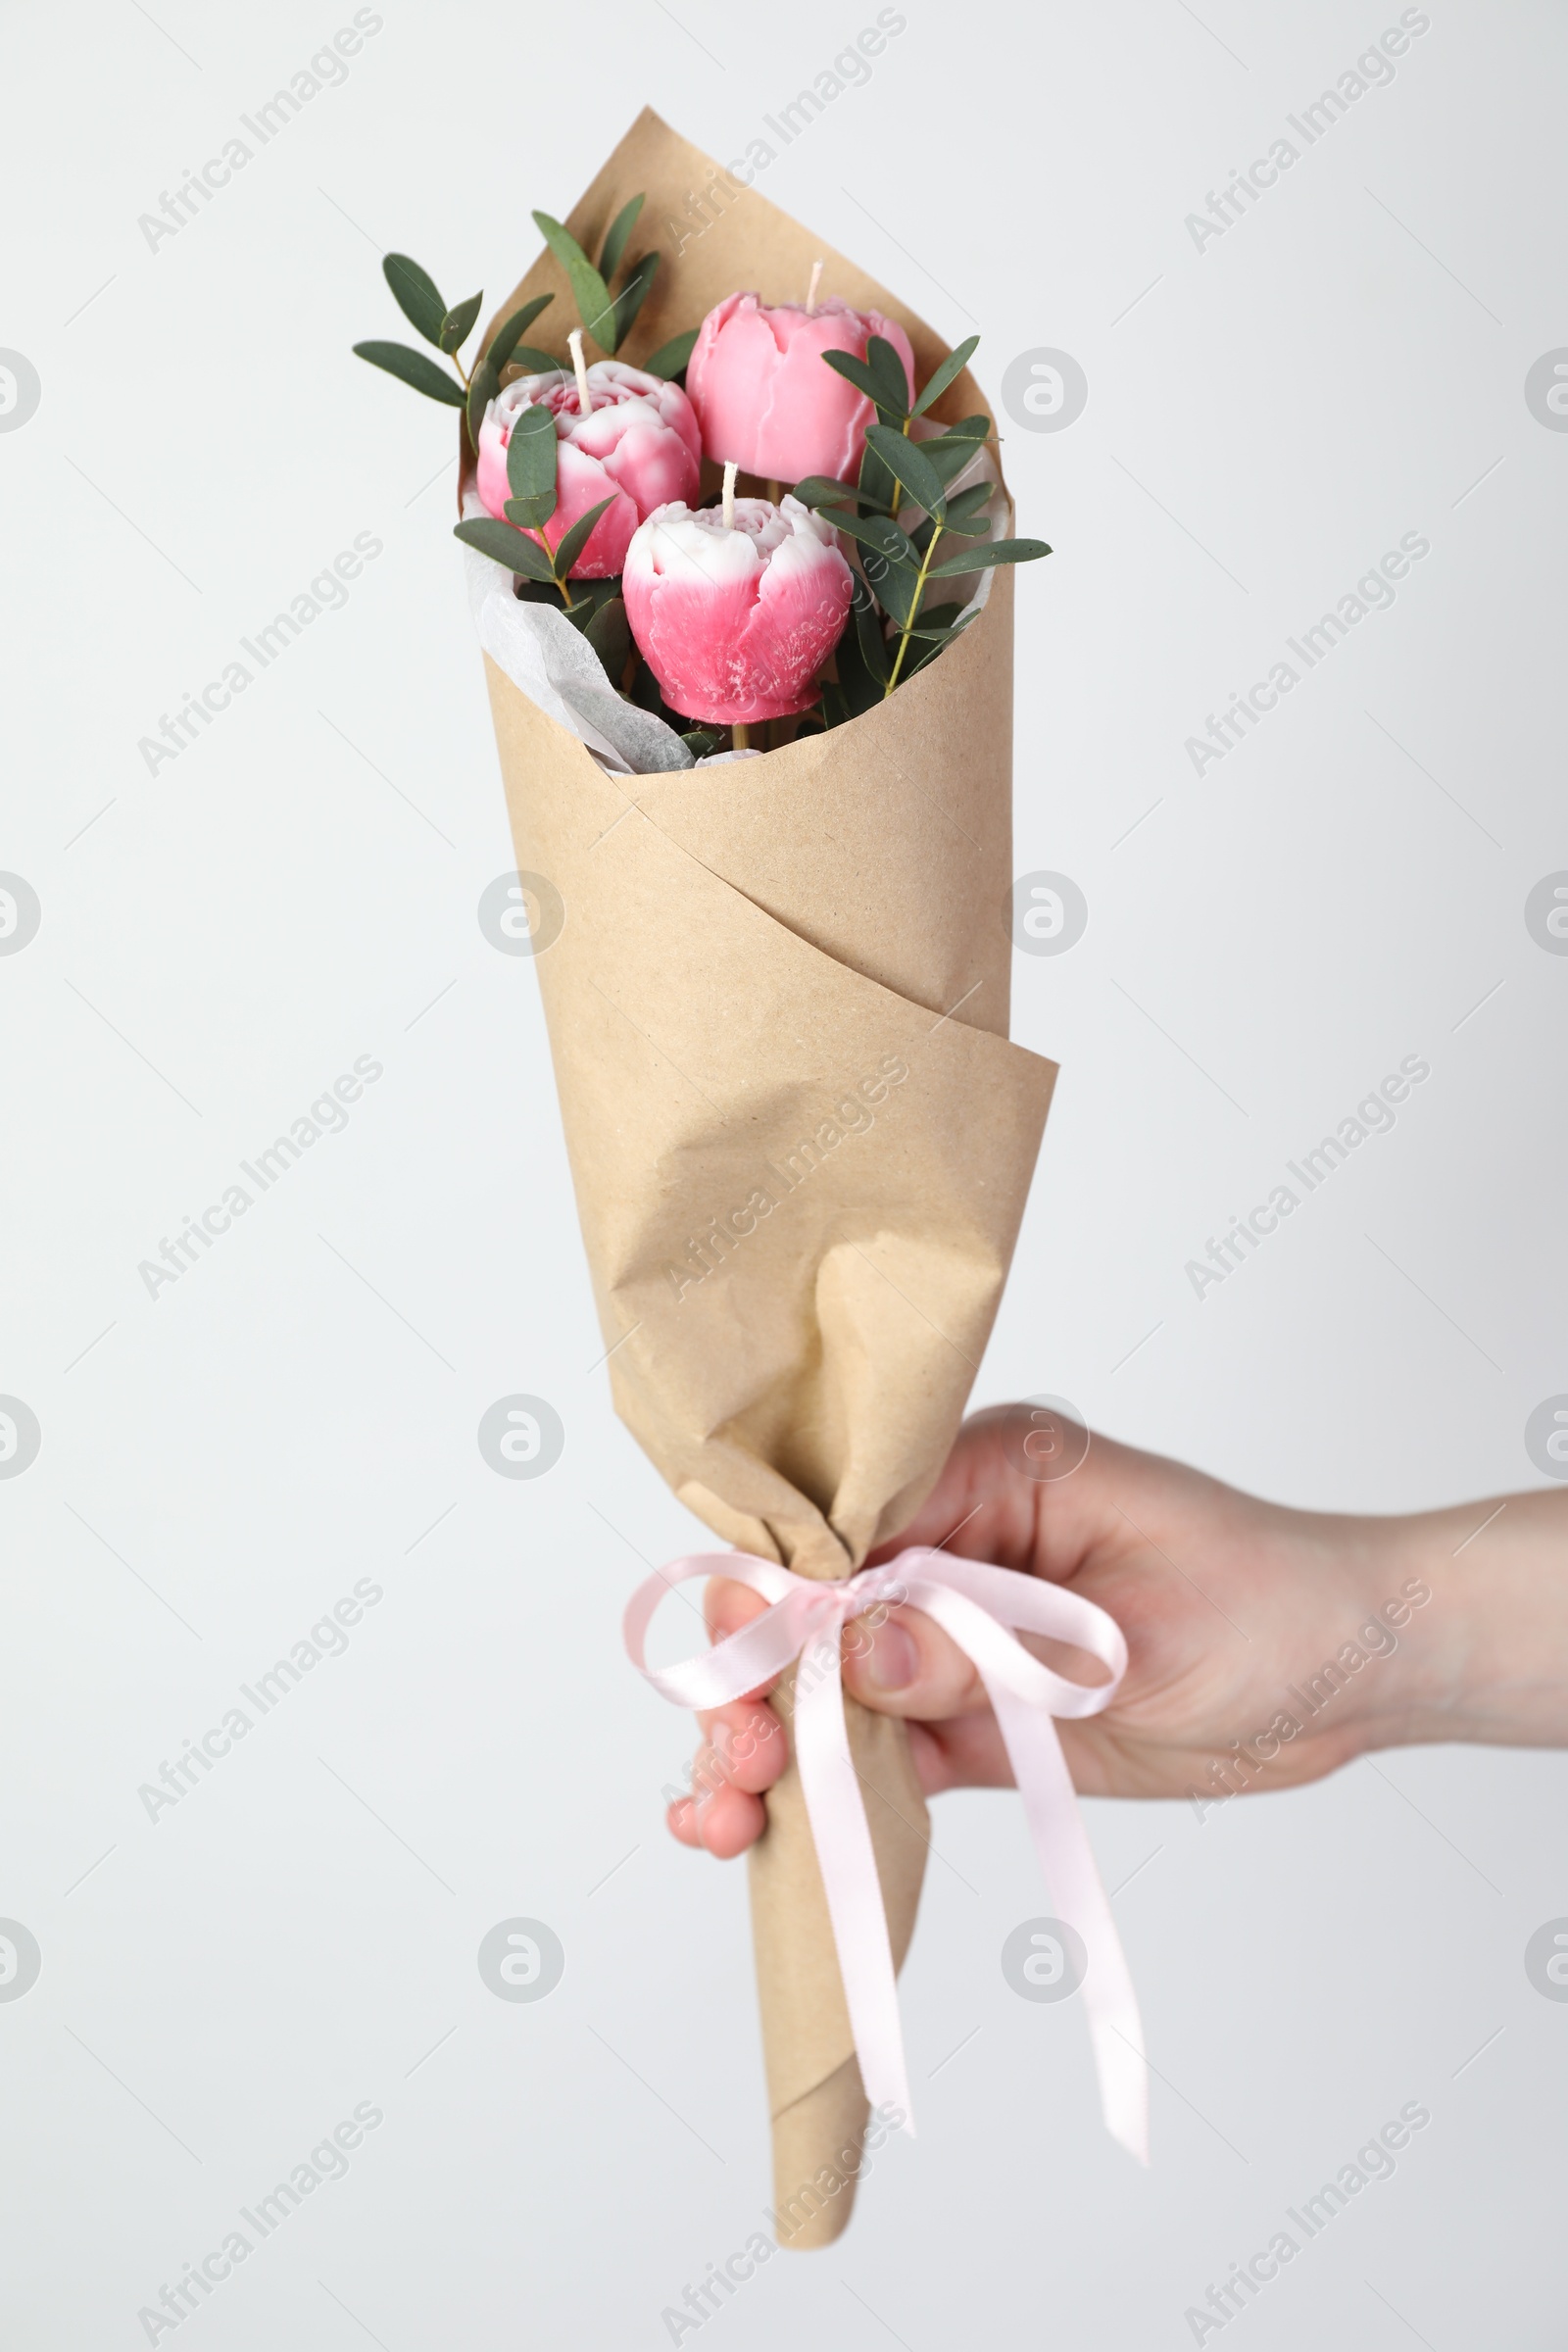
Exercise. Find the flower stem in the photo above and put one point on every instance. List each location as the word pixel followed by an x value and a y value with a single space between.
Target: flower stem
pixel 739 736
pixel 731 469
pixel 915 603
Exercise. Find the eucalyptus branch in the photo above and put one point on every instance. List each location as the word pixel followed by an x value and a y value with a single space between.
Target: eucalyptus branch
pixel 915 602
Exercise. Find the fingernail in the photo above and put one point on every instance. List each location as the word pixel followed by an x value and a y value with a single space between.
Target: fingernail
pixel 893 1660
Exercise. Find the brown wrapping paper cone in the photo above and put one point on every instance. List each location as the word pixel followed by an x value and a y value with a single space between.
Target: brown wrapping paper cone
pixel 799 1138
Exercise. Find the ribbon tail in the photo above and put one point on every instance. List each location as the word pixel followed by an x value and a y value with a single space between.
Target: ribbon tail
pixel 1067 1864
pixel 846 1860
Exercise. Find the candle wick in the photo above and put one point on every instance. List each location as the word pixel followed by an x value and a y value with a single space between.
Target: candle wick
pixel 575 346
pixel 810 291
pixel 730 471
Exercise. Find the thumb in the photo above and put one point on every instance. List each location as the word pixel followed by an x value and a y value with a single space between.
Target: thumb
pixel 899 1662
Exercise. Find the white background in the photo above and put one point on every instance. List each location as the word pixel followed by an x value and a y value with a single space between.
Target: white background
pixel 219 942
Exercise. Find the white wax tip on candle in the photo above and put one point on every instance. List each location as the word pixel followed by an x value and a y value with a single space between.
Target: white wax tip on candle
pixel 575 346
pixel 730 471
pixel 810 291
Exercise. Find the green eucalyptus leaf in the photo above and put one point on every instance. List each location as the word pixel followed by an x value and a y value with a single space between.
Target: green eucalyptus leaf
pixel 458 323
pixel 588 598
pixel 952 365
pixel 887 373
pixel 589 290
pixel 970 428
pixel 982 558
pixel 921 653
pixel 936 620
pixel 595 593
pixel 969 512
pixel 576 539
pixel 950 454
pixel 504 340
pixel 888 387
pixel 609 635
pixel 896 587
pixel 670 359
pixel 413 290
pixel 906 463
pixel 532 513
pixel 875 531
pixel 633 294
pixel 815 490
pixel 531 450
pixel 861 687
pixel 534 362
pixel 878 489
pixel 502 545
pixel 413 368
pixel 856 371
pixel 531 468
pixel 700 741
pixel 614 244
pixel 834 709
pixel 483 385
pixel 873 646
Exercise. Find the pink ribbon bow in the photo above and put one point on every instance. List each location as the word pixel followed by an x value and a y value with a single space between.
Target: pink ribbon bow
pixel 976 1605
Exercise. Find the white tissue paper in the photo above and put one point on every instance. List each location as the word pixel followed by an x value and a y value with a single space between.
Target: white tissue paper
pixel 553 665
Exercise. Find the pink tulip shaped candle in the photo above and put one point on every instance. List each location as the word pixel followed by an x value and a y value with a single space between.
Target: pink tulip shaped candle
pixel 763 396
pixel 736 607
pixel 622 435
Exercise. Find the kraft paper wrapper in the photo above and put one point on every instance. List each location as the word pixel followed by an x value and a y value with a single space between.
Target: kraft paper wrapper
pixel 745 949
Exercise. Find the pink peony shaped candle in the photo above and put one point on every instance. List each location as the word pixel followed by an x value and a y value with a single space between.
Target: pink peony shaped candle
pixel 622 435
pixel 763 397
pixel 736 609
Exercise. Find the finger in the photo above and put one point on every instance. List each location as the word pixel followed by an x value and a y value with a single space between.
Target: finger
pixel 745 1746
pixel 905 1664
pixel 727 1606
pixel 723 1823
pixel 680 1819
pixel 955 1503
pixel 983 1507
pixel 728 1822
pixel 966 1752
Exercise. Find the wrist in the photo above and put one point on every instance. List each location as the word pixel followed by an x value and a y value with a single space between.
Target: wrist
pixel 1411 1683
pixel 1369 1672
pixel 1484 1656
pixel 1350 1640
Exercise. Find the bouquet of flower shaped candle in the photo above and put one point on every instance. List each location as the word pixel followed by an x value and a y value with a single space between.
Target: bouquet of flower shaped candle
pixel 742 587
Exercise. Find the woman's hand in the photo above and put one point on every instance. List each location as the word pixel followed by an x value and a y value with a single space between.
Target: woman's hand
pixel 1233 1609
